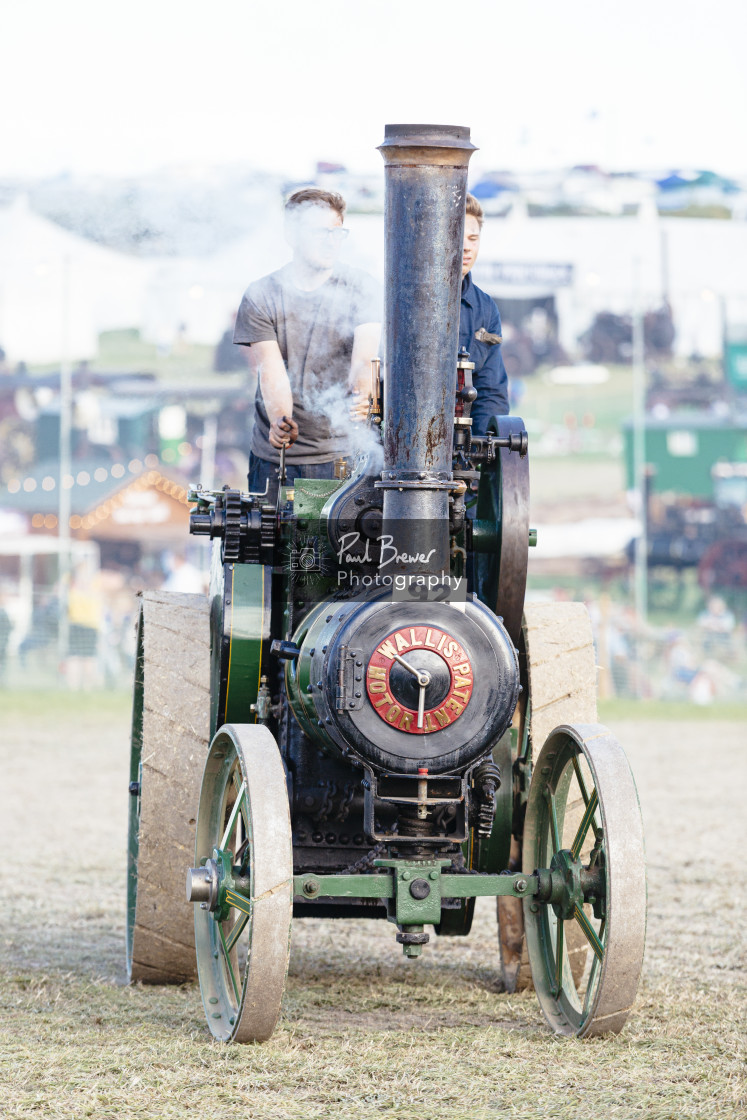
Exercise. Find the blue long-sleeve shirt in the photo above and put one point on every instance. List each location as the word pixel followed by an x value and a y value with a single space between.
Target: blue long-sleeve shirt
pixel 489 375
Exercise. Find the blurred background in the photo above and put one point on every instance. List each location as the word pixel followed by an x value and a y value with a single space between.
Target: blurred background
pixel 144 156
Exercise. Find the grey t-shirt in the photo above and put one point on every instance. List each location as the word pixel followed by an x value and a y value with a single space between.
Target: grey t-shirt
pixel 314 331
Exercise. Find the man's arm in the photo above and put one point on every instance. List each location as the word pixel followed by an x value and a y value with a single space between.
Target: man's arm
pixel 491 382
pixel 267 362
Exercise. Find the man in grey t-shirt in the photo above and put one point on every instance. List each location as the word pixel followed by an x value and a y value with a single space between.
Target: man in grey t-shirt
pixel 312 328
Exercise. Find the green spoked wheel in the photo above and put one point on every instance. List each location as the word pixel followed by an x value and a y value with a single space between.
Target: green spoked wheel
pixel 592 879
pixel 242 884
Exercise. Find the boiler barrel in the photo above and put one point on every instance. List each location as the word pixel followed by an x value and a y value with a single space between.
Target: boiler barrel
pixel 426 185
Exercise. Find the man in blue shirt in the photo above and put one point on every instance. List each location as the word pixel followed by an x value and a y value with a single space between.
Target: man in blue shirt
pixel 480 331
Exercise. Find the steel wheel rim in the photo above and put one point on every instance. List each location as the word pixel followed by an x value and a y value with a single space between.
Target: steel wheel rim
pixel 602 1000
pixel 242 949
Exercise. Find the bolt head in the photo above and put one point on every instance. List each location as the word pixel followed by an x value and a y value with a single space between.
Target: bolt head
pixel 420 888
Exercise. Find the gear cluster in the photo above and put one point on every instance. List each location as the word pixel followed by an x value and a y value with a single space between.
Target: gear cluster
pixel 245 525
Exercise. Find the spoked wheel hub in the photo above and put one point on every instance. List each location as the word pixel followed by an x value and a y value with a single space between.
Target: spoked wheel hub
pixel 568 885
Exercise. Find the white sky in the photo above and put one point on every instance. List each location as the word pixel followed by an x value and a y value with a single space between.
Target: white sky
pixel 90 86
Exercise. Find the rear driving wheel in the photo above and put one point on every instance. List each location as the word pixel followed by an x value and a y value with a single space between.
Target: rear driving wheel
pixel 601 896
pixel 169 741
pixel 559 675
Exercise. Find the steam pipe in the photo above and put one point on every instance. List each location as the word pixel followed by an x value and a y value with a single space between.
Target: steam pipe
pixel 426 185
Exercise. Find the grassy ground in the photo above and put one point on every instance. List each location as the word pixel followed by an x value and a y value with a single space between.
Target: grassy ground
pixel 363 1031
pixel 589 409
pixel 556 479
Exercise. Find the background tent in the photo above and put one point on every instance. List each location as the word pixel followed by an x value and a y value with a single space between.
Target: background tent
pixel 59 291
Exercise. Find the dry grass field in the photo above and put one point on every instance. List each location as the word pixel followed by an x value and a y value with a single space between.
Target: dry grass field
pixel 363 1032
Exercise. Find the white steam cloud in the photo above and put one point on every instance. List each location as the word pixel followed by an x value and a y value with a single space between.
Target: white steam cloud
pixel 356 436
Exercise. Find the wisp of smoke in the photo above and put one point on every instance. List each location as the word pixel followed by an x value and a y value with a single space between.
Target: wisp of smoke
pixel 356 437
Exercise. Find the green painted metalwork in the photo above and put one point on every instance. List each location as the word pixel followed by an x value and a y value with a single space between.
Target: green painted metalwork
pixel 485 536
pixel 239 902
pixel 227 959
pixel 488 886
pixel 240 627
pixel 589 932
pixel 557 986
pixel 398 880
pixel 310 495
pixel 224 859
pixel 424 906
pixel 583 828
pixel 343 886
pixel 240 926
pixel 584 793
pixel 567 892
pixel 250 636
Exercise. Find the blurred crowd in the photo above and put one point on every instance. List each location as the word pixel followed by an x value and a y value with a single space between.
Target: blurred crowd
pixel 84 637
pixel 701 663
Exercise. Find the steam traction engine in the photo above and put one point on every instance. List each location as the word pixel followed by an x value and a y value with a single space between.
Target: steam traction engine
pixel 380 727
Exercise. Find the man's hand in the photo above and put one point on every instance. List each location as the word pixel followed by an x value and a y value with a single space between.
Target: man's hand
pixel 358 407
pixel 283 432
